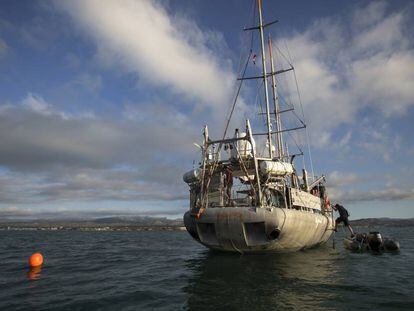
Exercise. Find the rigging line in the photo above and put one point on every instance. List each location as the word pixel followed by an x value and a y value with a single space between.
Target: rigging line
pixel 283 100
pixel 244 168
pixel 216 158
pixel 239 70
pixel 306 128
pixel 253 19
pixel 236 97
pixel 213 167
pixel 259 101
pixel 300 120
pixel 215 163
pixel 240 85
pixel 289 61
pixel 295 141
pixel 243 74
pixel 303 114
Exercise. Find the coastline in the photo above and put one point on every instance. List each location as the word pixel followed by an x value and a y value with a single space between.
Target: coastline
pixel 152 224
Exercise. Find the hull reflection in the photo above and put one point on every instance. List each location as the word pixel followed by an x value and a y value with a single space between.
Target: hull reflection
pixel 275 281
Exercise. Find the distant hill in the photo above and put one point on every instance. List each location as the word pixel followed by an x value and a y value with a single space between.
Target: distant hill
pixel 137 220
pixel 394 222
pixel 118 221
pixel 158 222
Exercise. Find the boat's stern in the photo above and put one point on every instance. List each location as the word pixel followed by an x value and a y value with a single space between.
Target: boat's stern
pixel 250 229
pixel 233 229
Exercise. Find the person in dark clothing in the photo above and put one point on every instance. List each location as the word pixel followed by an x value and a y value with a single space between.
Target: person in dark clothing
pixel 343 217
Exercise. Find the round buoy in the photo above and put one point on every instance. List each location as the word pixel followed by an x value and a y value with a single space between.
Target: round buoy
pixel 36 260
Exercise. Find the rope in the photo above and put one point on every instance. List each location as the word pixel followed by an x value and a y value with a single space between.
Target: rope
pixel 306 128
pixel 216 157
pixel 303 114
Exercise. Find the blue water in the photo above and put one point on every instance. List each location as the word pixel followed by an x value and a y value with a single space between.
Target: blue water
pixel 169 271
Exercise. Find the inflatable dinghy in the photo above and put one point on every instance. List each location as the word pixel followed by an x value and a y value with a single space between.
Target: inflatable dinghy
pixel 372 241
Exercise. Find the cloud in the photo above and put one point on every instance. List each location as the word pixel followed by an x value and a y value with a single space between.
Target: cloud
pixel 36 135
pixel 167 51
pixel 50 155
pixel 383 34
pixel 337 178
pixel 369 15
pixel 346 66
pixel 116 185
pixel 385 81
pixel 388 194
pixel 37 104
pixel 11 213
pixel 91 185
pixel 351 187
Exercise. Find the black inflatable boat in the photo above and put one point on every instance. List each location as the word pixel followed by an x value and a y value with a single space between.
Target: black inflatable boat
pixel 372 241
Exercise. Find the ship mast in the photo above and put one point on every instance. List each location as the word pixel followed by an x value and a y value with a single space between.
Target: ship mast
pixel 269 126
pixel 276 105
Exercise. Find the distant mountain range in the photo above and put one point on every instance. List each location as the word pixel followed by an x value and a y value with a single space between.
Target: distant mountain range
pixel 121 221
pixel 394 222
pixel 146 221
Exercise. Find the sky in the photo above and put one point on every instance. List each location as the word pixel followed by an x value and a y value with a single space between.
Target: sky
pixel 100 102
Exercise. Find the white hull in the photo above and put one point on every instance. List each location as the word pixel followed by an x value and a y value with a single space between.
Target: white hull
pixel 257 230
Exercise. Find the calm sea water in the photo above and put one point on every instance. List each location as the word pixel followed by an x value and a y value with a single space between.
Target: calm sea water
pixel 169 271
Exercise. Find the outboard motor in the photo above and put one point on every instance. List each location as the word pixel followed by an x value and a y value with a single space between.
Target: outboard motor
pixel 375 241
pixel 391 245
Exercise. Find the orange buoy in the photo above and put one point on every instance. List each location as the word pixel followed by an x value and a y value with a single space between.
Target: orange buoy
pixel 36 260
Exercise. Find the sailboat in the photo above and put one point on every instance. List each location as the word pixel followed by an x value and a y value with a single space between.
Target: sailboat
pixel 249 201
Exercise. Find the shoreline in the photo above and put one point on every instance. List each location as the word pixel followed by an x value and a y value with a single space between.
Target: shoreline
pixel 92 228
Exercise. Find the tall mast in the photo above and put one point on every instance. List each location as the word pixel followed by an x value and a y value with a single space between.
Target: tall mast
pixel 276 104
pixel 269 129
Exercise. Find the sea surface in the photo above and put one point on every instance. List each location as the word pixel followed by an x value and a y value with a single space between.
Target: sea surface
pixel 169 271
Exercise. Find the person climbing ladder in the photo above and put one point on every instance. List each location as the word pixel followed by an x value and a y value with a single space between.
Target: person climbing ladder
pixel 343 217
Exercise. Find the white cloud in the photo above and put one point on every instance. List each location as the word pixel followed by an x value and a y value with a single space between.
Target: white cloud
pixel 369 15
pixel 140 37
pixel 37 104
pixel 337 178
pixel 388 194
pixel 385 81
pixel 38 134
pixel 126 215
pixel 384 35
pixel 50 155
pixel 62 156
pixel 344 69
